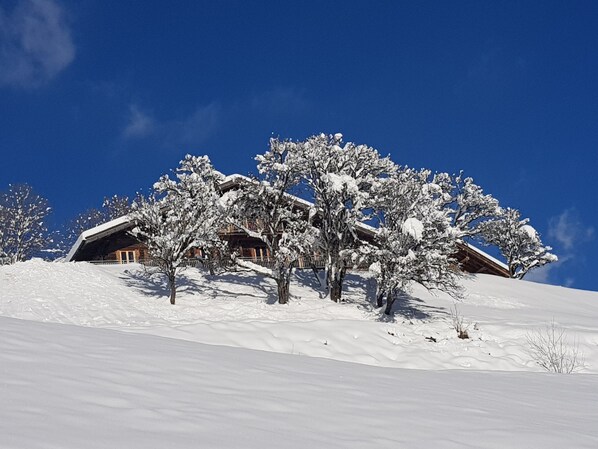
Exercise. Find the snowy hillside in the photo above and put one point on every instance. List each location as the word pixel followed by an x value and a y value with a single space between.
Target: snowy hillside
pixel 64 384
pixel 240 310
pixel 71 387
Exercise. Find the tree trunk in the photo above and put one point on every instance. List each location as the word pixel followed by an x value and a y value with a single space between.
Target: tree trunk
pixel 512 268
pixel 390 300
pixel 380 298
pixel 283 289
pixel 172 284
pixel 335 290
pixel 210 263
pixel 283 280
pixel 335 283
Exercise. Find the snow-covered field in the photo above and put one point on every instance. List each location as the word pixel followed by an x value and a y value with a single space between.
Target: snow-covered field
pixel 240 310
pixel 73 386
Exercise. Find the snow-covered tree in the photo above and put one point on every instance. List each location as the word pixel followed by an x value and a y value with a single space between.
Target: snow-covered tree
pixel 466 203
pixel 415 241
pixel 112 207
pixel 180 216
pixel 3 235
pixel 518 242
pixel 116 206
pixel 23 216
pixel 82 222
pixel 340 180
pixel 264 210
pixel 198 183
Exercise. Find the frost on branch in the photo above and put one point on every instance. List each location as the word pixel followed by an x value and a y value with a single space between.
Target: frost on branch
pixel 264 210
pixel 23 229
pixel 415 242
pixel 518 242
pixel 181 215
pixel 115 206
pixel 112 207
pixel 340 178
pixel 466 203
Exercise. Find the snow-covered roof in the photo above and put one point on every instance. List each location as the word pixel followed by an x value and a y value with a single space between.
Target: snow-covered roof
pixel 96 232
pixel 485 255
pixel 125 221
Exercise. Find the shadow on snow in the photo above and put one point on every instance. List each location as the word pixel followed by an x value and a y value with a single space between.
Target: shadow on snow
pixel 406 306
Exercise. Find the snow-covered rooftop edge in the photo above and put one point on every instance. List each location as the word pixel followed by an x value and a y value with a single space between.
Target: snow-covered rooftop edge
pixel 486 255
pixel 94 231
pixel 87 234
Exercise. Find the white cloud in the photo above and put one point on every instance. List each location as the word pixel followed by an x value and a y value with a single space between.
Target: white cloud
pixel 545 274
pixel 568 230
pixel 35 43
pixel 140 124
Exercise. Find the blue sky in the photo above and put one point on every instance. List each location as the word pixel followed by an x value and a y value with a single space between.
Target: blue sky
pixel 102 97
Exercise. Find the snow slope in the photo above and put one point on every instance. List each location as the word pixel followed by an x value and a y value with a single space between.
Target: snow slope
pixel 73 387
pixel 88 364
pixel 240 310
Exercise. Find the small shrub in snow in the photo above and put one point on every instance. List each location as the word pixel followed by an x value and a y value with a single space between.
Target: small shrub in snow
pixel 458 323
pixel 550 349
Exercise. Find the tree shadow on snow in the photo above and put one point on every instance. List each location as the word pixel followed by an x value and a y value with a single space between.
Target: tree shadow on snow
pixel 155 284
pixel 363 285
pixel 256 281
pixel 358 290
pixel 308 278
pixel 410 307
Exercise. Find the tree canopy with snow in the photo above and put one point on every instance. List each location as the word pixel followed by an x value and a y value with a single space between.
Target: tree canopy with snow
pixel 340 178
pixel 467 204
pixel 263 209
pixel 415 242
pixel 23 229
pixel 181 215
pixel 518 242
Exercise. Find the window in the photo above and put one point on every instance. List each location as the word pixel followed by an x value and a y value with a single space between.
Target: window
pixel 126 256
pixel 261 253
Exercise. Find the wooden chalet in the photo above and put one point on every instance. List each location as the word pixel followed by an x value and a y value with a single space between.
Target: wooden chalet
pixel 112 242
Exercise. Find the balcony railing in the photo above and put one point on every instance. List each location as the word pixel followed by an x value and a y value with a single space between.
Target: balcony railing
pixel 304 262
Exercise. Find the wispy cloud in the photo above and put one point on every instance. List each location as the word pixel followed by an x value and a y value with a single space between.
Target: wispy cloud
pixel 203 122
pixel 195 128
pixel 35 43
pixel 546 274
pixel 568 230
pixel 191 130
pixel 568 233
pixel 139 124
